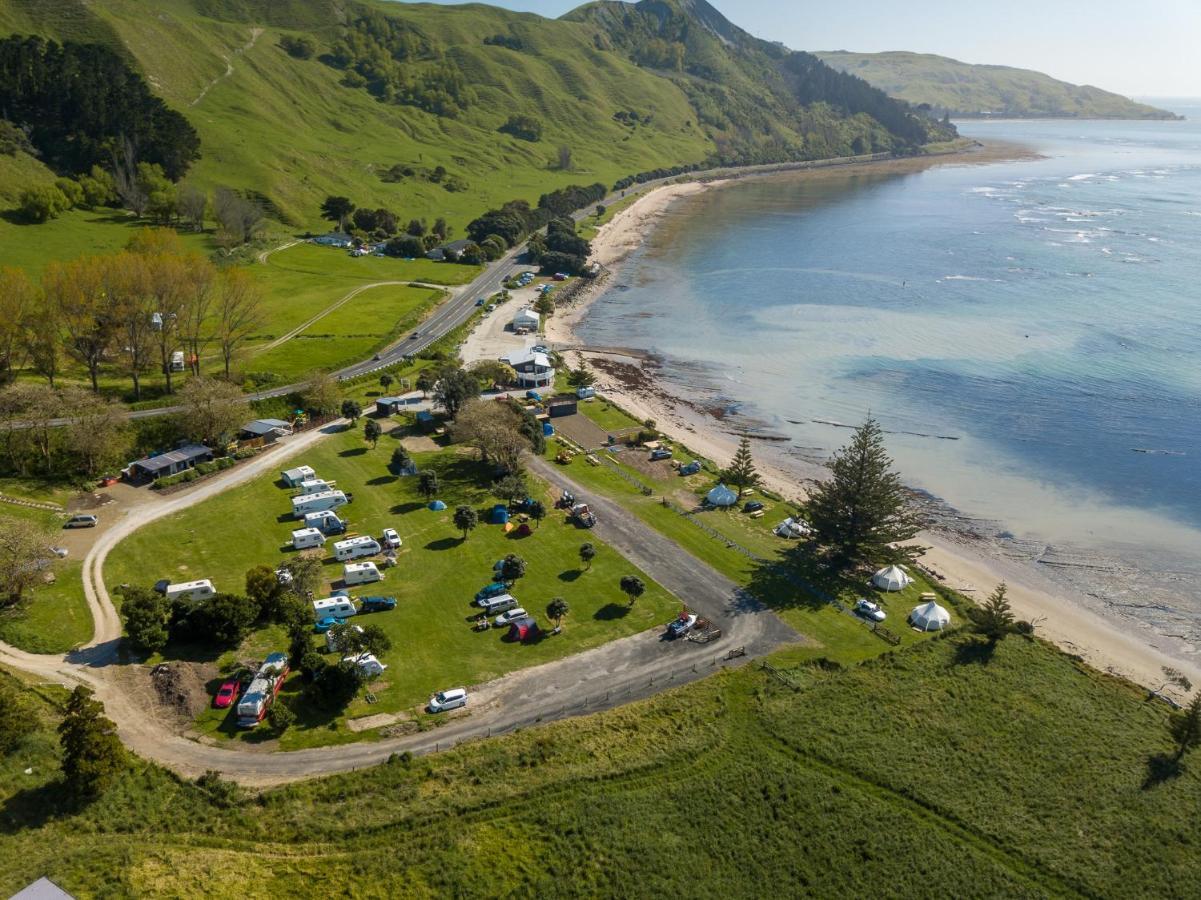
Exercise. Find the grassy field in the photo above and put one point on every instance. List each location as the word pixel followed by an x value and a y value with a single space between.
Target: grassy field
pixel 930 772
pixel 435 580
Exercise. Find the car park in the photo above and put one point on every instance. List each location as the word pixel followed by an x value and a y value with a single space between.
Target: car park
pixel 870 610
pixel 448 700
pixel 509 617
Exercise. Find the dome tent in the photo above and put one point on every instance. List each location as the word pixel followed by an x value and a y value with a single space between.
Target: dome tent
pixel 721 496
pixel 893 578
pixel 437 506
pixel 929 616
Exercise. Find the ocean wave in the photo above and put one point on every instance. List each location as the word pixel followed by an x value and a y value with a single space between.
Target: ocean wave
pixel 1083 177
pixel 970 278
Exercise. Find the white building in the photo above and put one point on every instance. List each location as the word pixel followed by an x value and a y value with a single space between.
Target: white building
pixel 533 368
pixel 526 321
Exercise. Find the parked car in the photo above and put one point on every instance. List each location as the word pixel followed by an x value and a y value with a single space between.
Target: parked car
pixel 378 604
pixel 870 610
pixel 82 520
pixel 507 618
pixel 752 506
pixel 227 694
pixel 60 552
pixel 447 700
pixel 481 301
pixel 495 589
pixel 413 336
pixel 391 540
pixel 660 453
pixel 683 624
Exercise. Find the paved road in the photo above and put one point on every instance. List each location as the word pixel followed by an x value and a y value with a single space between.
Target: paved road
pixel 619 672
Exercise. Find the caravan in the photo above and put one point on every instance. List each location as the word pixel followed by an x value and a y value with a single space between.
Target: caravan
pixel 333 608
pixel 314 486
pixel 293 477
pixel 302 506
pixel 191 590
pixel 325 521
pixel 360 573
pixel 307 538
pixel 354 548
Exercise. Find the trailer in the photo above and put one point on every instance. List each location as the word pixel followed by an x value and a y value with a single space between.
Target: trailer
pixel 191 590
pixel 333 607
pixel 306 538
pixel 703 632
pixel 312 486
pixel 356 548
pixel 293 477
pixel 325 500
pixel 361 573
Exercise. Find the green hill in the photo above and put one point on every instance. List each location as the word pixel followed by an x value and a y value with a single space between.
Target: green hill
pixel 407 88
pixel 964 90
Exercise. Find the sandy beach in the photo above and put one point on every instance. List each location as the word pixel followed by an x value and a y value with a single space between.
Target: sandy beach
pixel 964 564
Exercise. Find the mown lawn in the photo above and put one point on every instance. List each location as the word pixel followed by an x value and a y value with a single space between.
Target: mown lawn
pixel 437 576
pixel 929 772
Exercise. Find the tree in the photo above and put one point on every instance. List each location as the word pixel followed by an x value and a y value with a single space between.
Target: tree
pixel 92 753
pixel 557 609
pixel 265 591
pixel 337 209
pixel 416 228
pixel 994 618
pixel 386 381
pixel 427 484
pixel 130 304
pixel 495 430
pixel 212 410
pixel 195 326
pixel 406 247
pixel 75 290
pixel 587 554
pixel 372 432
pixel 1173 677
pixel 491 372
pixel 351 410
pixel 441 229
pixel 158 191
pixel 401 461
pixel 564 158
pixel 741 474
pixel 224 619
pixel 545 305
pixel 42 203
pixel 22 545
pixel 512 568
pixel 17 717
pixel 27 410
pixel 862 509
pixel 454 388
pixel 582 375
pixel 511 487
pixel 238 219
pixel 193 204
pixel 238 308
pixel 280 717
pixel 321 395
pixel 537 511
pixel 633 587
pixel 1185 728
pixel 425 382
pixel 300 47
pixel 466 518
pixel 42 337
pixel 307 576
pixel 20 301
pixel 145 614
pixel 169 282
pixel 96 432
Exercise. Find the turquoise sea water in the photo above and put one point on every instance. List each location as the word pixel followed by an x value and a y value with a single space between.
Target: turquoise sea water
pixel 1030 330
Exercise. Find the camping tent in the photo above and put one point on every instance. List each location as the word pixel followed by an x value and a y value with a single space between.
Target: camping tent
pixel 523 629
pixel 929 617
pixel 894 578
pixel 437 506
pixel 500 514
pixel 722 496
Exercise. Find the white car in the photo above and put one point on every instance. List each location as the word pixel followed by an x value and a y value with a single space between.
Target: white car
pixel 507 618
pixel 391 540
pixel 870 610
pixel 447 700
pixel 60 552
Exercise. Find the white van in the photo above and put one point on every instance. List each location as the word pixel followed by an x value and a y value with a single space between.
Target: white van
pixel 304 538
pixel 499 604
pixel 356 547
pixel 337 607
pixel 360 573
pixel 293 477
pixel 191 590
pixel 302 506
pixel 314 486
pixel 177 361
pixel 444 700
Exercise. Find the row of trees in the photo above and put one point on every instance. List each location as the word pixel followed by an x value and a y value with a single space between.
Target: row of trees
pixel 381 223
pixel 132 310
pixel 516 219
pixel 562 249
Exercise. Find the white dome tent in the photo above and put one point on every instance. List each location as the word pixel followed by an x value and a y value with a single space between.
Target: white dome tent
pixel 722 496
pixel 929 616
pixel 893 578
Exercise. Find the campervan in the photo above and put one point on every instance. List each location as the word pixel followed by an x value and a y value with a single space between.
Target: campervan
pixel 355 548
pixel 305 538
pixel 302 506
pixel 360 573
pixel 262 691
pixel 325 521
pixel 493 605
pixel 191 590
pixel 293 477
pixel 177 361
pixel 334 607
pixel 314 486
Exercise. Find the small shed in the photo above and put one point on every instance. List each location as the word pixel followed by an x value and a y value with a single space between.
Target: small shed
pixel 170 463
pixel 562 405
pixel 269 430
pixel 526 321
pixel 390 406
pixel 426 420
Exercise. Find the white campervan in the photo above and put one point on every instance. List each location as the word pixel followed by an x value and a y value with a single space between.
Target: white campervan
pixel 499 604
pixel 326 522
pixel 337 607
pixel 293 477
pixel 356 548
pixel 191 590
pixel 314 486
pixel 360 573
pixel 302 506
pixel 305 538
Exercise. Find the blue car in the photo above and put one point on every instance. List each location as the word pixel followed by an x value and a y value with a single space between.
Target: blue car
pixel 377 604
pixel 495 589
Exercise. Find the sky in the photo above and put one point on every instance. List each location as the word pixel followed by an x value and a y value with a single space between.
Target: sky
pixel 1134 47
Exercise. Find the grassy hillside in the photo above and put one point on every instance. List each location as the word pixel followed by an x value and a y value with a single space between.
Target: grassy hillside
pixel 927 773
pixel 970 90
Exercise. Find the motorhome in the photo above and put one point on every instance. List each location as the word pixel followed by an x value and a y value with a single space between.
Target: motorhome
pixel 325 521
pixel 499 604
pixel 314 486
pixel 360 573
pixel 177 361
pixel 302 506
pixel 333 607
pixel 306 538
pixel 191 590
pixel 293 477
pixel 356 548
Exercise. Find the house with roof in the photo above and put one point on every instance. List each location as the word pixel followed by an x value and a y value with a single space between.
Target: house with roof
pixel 533 368
pixel 452 250
pixel 334 239
pixel 269 430
pixel 526 321
pixel 170 463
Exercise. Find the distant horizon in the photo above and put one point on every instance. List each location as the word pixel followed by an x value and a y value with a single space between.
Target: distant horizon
pixel 1142 51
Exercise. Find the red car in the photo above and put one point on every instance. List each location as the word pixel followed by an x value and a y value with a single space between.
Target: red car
pixel 227 694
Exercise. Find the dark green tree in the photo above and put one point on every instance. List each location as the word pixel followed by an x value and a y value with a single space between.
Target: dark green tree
pixel 425 382
pixel 306 573
pixel 372 432
pixel 511 487
pixel 557 609
pixel 386 381
pixel 537 511
pixel 92 753
pixel 265 591
pixel 401 461
pixel 633 587
pixel 337 209
pixel 146 614
pixel 862 509
pixel 280 717
pixel 351 410
pixel 741 474
pixel 512 569
pixel 427 484
pixel 994 617
pixel 1185 728
pixel 466 519
pixel 581 376
pixel 587 554
pixel 454 387
pixel 223 620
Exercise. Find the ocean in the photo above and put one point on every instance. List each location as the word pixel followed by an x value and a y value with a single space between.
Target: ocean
pixel 1029 332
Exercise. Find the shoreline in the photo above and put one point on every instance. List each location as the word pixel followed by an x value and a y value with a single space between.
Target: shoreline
pixel 962 562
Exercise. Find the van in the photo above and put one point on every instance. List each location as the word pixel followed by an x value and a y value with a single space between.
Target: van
pixel 498 604
pixel 333 607
pixel 191 590
pixel 302 506
pixel 177 361
pixel 355 548
pixel 360 573
pixel 326 522
pixel 445 700
pixel 83 520
pixel 314 486
pixel 304 538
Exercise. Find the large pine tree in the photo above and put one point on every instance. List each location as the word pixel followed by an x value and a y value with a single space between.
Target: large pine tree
pixel 863 509
pixel 741 473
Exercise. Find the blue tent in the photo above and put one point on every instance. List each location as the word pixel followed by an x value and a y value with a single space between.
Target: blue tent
pixel 547 429
pixel 500 514
pixel 437 505
pixel 722 496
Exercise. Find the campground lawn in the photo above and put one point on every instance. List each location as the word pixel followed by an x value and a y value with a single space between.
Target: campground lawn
pixel 436 577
